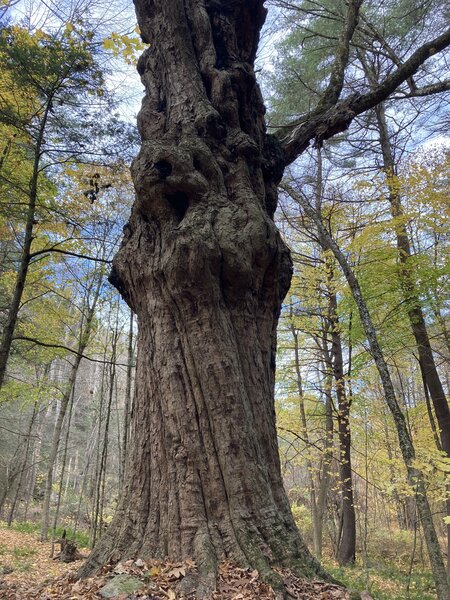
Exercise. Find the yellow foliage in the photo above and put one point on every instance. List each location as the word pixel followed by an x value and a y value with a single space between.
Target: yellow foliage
pixel 126 46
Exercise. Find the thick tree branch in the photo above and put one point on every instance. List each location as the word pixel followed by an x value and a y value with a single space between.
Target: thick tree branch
pixel 336 83
pixel 427 90
pixel 323 124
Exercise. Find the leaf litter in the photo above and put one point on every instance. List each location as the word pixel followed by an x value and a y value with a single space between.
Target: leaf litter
pixel 35 576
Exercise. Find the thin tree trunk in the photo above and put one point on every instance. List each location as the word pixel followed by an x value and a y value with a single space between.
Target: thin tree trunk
pixel 63 469
pixel 24 465
pixel 100 491
pixel 70 469
pixel 415 476
pixel 329 369
pixel 84 482
pixel 432 382
pixel 96 483
pixel 415 312
pixel 13 310
pixel 127 407
pixel 431 416
pixel 347 544
pixel 56 438
pixel 85 333
pixel 347 539
pixel 317 527
pixel 11 474
pixel 325 476
pixel 42 417
pixel 399 504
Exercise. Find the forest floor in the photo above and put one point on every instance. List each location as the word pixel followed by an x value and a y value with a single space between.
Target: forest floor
pixel 28 573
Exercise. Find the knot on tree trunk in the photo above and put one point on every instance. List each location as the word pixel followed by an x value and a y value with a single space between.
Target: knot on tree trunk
pixel 163 169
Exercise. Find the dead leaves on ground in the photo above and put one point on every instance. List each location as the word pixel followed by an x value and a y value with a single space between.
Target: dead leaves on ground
pixel 37 577
pixel 242 584
pixel 29 563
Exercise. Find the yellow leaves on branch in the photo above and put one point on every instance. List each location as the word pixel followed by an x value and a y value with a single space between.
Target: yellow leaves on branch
pixel 129 47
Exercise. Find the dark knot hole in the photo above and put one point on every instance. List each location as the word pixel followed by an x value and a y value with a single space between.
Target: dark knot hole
pixel 164 168
pixel 180 203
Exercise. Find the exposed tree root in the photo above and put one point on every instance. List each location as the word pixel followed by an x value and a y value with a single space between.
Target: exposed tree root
pixel 271 550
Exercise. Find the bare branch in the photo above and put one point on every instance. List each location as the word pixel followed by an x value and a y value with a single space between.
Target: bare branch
pixel 427 90
pixel 24 338
pixel 85 256
pixel 373 31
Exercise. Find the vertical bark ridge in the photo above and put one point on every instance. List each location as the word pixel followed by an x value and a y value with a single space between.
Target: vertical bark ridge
pixel 206 441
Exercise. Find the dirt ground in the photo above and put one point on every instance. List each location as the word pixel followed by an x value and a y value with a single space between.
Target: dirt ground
pixel 28 573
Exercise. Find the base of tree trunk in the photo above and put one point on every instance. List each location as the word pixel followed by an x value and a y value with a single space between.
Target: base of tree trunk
pixel 277 546
pixel 203 475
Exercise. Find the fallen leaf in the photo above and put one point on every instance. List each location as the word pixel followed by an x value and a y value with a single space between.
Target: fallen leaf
pixel 177 572
pixel 154 571
pixel 120 569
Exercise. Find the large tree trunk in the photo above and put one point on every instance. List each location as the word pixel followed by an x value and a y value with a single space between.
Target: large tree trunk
pixel 205 270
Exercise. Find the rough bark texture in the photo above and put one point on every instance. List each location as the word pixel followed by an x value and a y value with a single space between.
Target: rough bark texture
pixel 205 270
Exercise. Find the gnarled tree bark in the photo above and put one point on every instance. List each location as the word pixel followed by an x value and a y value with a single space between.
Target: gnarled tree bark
pixel 205 270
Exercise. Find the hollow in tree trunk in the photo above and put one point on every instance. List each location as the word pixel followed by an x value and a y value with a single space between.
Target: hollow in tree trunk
pixel 205 270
